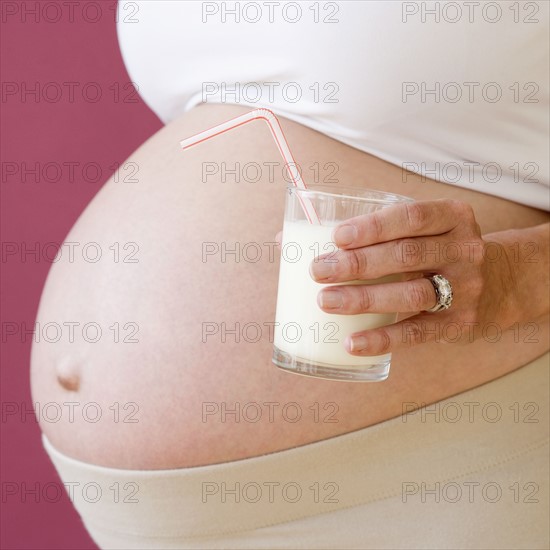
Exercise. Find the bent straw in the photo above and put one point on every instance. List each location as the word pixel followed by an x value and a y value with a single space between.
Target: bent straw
pixel 278 136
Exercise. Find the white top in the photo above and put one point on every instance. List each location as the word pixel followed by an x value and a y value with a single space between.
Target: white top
pixel 454 90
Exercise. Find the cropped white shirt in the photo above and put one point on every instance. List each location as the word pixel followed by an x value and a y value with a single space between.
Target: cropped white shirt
pixel 458 91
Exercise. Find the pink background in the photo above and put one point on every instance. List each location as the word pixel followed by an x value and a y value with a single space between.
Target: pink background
pixel 37 50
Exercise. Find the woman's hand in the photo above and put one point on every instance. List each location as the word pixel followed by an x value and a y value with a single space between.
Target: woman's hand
pixel 424 238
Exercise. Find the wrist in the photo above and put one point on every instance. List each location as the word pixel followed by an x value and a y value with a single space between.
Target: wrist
pixel 523 266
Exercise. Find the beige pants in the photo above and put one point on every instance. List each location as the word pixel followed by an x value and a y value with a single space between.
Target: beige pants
pixel 468 472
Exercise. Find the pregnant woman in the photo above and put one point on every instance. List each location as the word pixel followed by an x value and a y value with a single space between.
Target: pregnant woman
pixel 192 438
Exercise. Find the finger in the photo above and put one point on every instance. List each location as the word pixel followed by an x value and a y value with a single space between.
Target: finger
pixel 412 219
pixel 402 297
pixel 410 332
pixel 373 262
pixel 279 238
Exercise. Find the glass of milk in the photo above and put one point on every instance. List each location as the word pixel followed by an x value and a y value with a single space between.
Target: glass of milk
pixel 306 339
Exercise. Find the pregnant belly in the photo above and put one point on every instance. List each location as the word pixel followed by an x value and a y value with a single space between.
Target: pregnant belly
pixel 181 372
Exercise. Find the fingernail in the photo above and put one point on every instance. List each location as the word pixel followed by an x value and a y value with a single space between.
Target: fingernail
pixel 357 343
pixel 330 299
pixel 344 235
pixel 321 269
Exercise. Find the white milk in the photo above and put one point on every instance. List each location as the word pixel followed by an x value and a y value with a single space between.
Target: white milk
pixel 303 329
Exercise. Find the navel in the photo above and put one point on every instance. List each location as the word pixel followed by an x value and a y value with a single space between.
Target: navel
pixel 68 374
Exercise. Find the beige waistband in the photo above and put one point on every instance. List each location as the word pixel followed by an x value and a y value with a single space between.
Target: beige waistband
pixel 490 425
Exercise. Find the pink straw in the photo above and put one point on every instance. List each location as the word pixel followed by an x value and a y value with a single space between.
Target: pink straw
pixel 282 145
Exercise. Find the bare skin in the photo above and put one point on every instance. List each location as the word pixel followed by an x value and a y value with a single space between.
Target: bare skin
pixel 175 379
pixel 497 280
